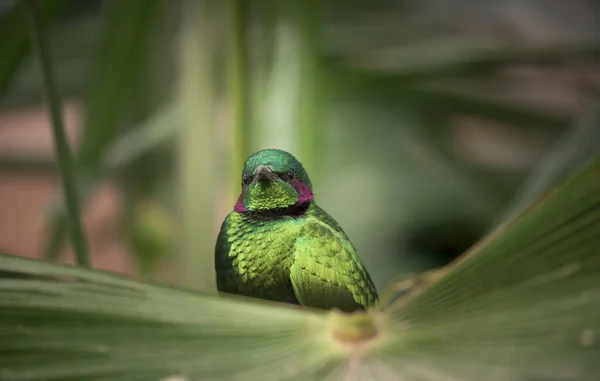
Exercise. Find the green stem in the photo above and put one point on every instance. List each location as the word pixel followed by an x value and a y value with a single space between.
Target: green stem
pixel 195 152
pixel 61 146
pixel 309 123
pixel 238 90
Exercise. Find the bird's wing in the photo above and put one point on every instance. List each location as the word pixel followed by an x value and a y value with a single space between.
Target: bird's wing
pixel 326 272
pixel 223 263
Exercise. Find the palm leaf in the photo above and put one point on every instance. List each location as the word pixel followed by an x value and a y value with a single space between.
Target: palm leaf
pixel 524 304
pixel 423 60
pixel 14 41
pixel 121 329
pixel 115 74
pixel 160 129
pixel 577 147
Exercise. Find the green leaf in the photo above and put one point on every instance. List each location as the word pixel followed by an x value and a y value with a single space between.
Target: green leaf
pixel 158 130
pixel 578 146
pixel 73 44
pixel 62 150
pixel 120 54
pixel 14 40
pixel 451 104
pixel 151 235
pixel 195 148
pixel 122 330
pixel 438 57
pixel 523 304
pixel 115 74
pixel 238 90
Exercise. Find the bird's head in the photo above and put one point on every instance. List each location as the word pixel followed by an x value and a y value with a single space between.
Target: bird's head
pixel 273 179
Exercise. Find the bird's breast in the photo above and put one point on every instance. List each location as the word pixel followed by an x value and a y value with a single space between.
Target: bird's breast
pixel 261 254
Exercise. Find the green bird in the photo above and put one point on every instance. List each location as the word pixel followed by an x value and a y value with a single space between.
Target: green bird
pixel 278 244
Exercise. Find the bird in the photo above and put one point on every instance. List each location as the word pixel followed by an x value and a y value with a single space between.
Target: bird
pixel 277 244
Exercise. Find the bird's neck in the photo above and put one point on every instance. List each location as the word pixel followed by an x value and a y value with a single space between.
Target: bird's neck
pixel 305 198
pixel 294 211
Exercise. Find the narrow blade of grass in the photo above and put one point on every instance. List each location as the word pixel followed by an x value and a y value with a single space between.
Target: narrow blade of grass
pixel 61 146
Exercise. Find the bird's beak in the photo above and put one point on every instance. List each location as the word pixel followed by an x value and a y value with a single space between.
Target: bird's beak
pixel 264 173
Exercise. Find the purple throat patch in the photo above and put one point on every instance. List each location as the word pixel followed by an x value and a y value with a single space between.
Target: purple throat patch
pixel 304 195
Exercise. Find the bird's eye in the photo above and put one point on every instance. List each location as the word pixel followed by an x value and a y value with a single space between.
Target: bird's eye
pixel 245 179
pixel 291 175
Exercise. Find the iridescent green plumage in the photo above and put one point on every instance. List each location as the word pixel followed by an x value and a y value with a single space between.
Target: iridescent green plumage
pixel 279 245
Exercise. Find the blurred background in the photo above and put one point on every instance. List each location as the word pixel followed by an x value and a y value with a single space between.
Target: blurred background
pixel 422 123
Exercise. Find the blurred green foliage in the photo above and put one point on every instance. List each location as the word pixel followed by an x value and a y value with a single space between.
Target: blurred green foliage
pixel 417 121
